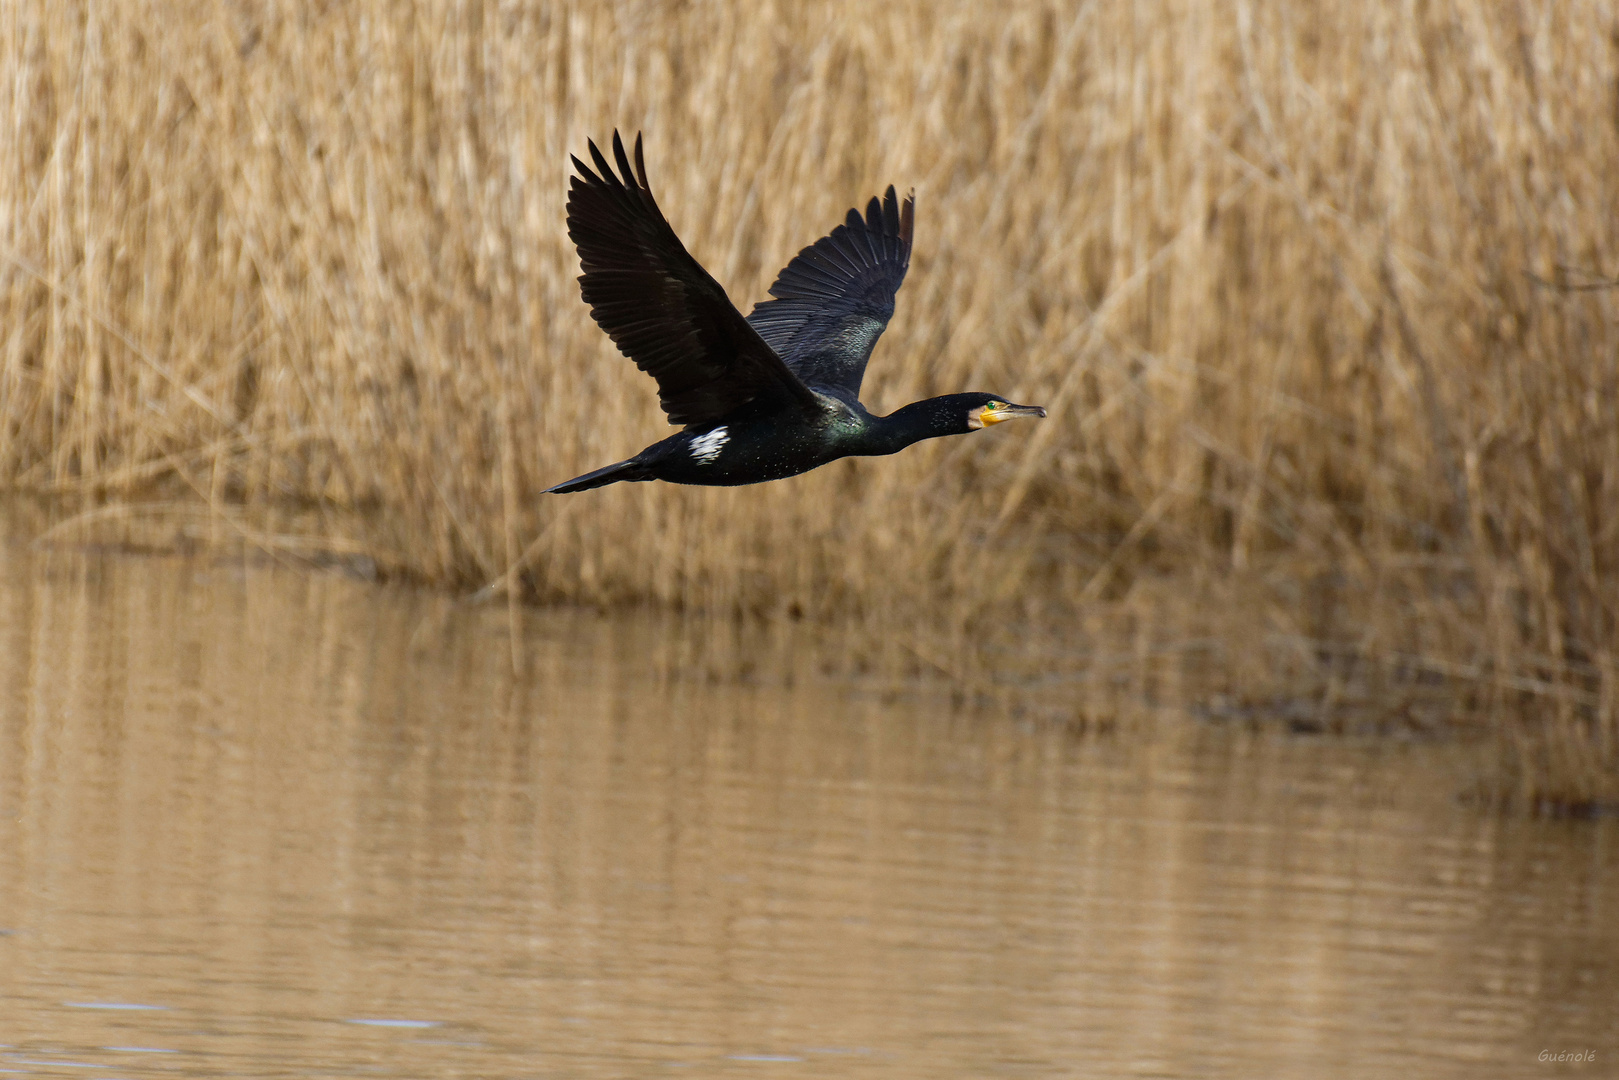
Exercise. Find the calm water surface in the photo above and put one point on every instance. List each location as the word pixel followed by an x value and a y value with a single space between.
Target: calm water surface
pixel 256 823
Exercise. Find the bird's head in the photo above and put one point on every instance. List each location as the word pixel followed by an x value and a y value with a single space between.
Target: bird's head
pixel 953 414
pixel 983 410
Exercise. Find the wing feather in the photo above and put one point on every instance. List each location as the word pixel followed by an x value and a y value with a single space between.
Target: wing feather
pixel 659 305
pixel 835 297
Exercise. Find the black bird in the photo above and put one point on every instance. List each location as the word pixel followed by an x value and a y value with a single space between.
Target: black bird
pixel 765 397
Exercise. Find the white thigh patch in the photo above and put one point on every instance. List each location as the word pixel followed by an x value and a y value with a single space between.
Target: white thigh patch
pixel 705 448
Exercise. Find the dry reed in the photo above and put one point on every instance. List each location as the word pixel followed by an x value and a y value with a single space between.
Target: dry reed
pixel 1318 295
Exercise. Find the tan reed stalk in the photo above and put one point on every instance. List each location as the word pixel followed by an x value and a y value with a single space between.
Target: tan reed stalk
pixel 1319 296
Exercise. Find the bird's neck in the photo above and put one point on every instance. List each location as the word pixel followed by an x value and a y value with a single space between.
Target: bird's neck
pixel 919 420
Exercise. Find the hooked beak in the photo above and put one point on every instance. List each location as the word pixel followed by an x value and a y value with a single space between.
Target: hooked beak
pixel 1010 412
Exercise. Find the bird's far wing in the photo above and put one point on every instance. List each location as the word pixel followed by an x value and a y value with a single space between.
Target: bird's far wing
pixel 836 296
pixel 660 307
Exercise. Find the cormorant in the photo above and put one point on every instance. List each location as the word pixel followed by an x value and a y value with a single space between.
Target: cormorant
pixel 765 397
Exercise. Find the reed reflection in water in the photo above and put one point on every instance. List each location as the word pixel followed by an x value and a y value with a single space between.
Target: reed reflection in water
pixel 250 826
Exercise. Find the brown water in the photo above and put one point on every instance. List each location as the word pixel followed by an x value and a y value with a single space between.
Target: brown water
pixel 258 823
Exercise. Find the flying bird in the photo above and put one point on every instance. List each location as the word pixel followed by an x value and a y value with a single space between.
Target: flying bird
pixel 769 396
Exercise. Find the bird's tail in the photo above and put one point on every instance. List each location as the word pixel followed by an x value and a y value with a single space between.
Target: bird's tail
pixel 608 474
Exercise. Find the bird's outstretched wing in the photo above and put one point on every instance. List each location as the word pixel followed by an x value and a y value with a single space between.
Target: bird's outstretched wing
pixel 836 296
pixel 660 307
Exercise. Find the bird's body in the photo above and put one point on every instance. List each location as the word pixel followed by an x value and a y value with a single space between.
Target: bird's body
pixel 769 396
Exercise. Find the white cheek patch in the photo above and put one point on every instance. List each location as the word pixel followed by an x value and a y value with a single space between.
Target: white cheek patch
pixel 705 448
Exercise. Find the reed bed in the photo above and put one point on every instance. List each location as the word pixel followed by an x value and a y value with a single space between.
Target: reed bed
pixel 1319 297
